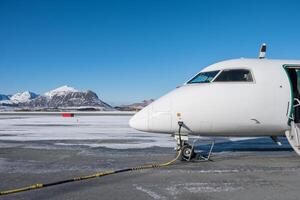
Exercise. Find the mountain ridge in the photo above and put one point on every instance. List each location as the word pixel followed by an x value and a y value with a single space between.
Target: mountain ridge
pixel 135 106
pixel 61 98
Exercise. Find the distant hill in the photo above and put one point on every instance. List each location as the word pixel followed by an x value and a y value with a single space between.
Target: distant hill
pixel 4 97
pixel 62 98
pixel 16 99
pixel 135 106
pixel 22 97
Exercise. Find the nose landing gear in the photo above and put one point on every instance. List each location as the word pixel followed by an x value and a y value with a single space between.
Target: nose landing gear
pixel 188 152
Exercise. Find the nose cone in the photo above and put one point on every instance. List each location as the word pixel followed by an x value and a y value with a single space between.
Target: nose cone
pixel 140 120
pixel 153 118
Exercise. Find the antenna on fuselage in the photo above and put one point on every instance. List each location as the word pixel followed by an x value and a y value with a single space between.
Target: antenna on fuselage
pixel 262 51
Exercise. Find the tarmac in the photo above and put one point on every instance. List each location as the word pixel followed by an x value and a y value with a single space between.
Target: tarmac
pixel 247 169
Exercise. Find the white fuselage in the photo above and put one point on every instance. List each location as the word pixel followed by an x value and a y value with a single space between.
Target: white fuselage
pixel 258 108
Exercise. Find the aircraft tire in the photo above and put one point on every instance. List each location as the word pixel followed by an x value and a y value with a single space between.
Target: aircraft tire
pixel 187 153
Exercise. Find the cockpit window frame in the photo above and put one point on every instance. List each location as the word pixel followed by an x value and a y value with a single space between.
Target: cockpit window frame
pixel 234 82
pixel 191 83
pixel 225 82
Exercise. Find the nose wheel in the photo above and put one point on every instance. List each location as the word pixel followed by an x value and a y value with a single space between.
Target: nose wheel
pixel 187 153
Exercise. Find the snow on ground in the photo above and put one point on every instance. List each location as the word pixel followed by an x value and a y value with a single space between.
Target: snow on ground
pixel 106 131
pixel 94 131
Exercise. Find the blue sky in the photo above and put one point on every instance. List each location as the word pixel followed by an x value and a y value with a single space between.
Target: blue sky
pixel 127 51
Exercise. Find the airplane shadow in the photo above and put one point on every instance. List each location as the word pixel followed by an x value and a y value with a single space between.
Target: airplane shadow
pixel 262 144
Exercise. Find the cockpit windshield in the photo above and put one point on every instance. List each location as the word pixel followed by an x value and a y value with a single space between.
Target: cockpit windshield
pixel 204 77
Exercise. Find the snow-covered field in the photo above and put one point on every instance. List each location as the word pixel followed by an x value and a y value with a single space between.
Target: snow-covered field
pixel 94 131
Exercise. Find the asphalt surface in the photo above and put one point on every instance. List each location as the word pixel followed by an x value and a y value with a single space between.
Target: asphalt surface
pixel 249 169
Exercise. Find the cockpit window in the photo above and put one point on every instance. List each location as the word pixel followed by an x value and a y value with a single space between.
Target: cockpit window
pixel 204 77
pixel 234 75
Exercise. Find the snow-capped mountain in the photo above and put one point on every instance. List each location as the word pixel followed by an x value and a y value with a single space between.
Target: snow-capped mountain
pixel 63 90
pixel 22 97
pixel 16 99
pixel 64 97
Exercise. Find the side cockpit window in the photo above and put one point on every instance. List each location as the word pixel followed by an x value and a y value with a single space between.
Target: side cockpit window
pixel 235 75
pixel 204 77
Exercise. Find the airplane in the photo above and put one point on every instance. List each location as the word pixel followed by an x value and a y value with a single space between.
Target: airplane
pixel 238 97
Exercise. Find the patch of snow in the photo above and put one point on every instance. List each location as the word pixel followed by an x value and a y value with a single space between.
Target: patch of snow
pixel 95 131
pixel 92 131
pixel 22 97
pixel 5 108
pixel 177 189
pixel 7 102
pixel 152 194
pixel 63 90
pixel 234 139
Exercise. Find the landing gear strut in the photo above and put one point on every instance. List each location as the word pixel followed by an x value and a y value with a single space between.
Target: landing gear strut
pixel 188 151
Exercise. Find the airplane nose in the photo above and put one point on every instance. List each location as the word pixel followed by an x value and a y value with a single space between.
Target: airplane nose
pixel 156 117
pixel 140 120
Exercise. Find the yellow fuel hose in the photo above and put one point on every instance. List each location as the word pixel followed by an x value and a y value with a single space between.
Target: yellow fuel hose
pixel 95 175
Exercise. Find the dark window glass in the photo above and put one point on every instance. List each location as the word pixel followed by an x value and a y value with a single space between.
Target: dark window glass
pixel 203 77
pixel 234 75
pixel 298 79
